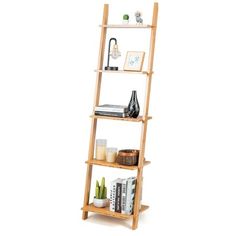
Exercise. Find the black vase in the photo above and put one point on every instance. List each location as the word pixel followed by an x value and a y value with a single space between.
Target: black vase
pixel 133 107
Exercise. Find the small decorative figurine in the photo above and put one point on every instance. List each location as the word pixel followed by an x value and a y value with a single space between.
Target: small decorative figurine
pixel 138 15
pixel 125 19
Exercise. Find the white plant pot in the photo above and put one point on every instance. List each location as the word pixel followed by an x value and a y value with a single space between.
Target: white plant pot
pixel 100 202
pixel 125 22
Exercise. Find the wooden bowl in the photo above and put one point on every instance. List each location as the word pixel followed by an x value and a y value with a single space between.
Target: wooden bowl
pixel 128 157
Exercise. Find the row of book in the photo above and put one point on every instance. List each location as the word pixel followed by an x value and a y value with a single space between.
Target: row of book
pixel 122 193
pixel 111 110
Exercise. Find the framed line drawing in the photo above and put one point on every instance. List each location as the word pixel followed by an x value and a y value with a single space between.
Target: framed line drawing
pixel 134 61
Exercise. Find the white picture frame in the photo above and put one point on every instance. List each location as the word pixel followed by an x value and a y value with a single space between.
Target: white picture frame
pixel 134 61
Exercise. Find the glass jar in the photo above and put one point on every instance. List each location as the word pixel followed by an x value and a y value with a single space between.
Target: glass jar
pixel 111 154
pixel 101 145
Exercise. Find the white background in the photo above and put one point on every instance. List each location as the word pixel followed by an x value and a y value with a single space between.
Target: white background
pixel 48 51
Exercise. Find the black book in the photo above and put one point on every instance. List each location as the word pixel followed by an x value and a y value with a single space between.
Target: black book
pixel 118 197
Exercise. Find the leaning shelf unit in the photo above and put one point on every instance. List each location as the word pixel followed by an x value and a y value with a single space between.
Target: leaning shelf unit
pixel 89 207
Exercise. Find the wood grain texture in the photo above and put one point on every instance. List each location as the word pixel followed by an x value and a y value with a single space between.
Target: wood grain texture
pixel 106 212
pixel 96 102
pixel 123 72
pixel 114 165
pixel 129 26
pixel 145 114
pixel 138 119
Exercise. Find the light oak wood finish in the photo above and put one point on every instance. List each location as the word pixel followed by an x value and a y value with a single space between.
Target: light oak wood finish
pixel 96 102
pixel 145 114
pixel 138 119
pixel 122 72
pixel 129 26
pixel 114 165
pixel 106 212
pixel 143 119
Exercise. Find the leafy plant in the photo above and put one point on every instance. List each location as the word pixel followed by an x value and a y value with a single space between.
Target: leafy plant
pixel 101 190
pixel 126 17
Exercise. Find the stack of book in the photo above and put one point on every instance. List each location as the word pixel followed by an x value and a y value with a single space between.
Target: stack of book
pixel 111 110
pixel 122 193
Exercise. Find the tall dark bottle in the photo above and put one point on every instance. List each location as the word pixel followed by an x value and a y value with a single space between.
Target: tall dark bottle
pixel 133 107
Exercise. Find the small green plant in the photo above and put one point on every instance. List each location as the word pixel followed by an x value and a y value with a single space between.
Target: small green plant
pixel 125 17
pixel 101 190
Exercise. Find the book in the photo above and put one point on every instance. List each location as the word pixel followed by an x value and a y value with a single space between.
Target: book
pixel 132 197
pixel 131 184
pixel 118 197
pixel 112 195
pixel 112 108
pixel 123 196
pixel 114 114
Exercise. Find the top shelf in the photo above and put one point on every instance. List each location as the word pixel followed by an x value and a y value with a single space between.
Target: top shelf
pixel 128 26
pixel 123 72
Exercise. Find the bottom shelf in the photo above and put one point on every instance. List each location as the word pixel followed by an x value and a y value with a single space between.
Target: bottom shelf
pixel 106 212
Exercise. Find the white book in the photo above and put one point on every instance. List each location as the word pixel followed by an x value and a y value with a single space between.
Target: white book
pixel 112 195
pixel 123 196
pixel 118 195
pixel 111 113
pixel 128 193
pixel 112 108
pixel 132 196
pixel 131 183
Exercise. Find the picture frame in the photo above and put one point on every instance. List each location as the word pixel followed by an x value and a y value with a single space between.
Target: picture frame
pixel 134 61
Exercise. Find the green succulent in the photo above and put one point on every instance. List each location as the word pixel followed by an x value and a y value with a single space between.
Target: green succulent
pixel 101 190
pixel 125 17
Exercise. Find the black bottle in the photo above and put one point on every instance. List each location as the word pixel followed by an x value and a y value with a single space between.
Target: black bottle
pixel 133 107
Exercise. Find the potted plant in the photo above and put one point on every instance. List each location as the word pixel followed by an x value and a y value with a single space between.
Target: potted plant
pixel 125 19
pixel 100 199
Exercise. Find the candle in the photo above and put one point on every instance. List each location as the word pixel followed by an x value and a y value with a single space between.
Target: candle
pixel 101 145
pixel 111 154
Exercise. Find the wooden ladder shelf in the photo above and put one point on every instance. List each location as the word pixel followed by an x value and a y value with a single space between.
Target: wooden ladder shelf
pixel 88 207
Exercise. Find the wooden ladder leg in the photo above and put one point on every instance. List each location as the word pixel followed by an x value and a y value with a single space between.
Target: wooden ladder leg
pixel 145 116
pixel 139 176
pixel 96 102
pixel 89 168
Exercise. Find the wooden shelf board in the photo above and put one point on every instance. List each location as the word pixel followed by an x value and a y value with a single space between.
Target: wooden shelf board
pixel 138 119
pixel 106 212
pixel 114 165
pixel 123 72
pixel 128 26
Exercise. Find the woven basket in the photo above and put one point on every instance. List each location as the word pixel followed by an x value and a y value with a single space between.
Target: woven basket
pixel 128 157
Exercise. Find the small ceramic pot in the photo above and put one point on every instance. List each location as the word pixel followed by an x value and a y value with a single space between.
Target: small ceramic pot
pixel 125 22
pixel 100 202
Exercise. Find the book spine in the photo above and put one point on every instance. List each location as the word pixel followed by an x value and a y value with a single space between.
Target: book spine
pixel 112 196
pixel 116 114
pixel 121 110
pixel 123 195
pixel 118 198
pixel 128 192
pixel 130 195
